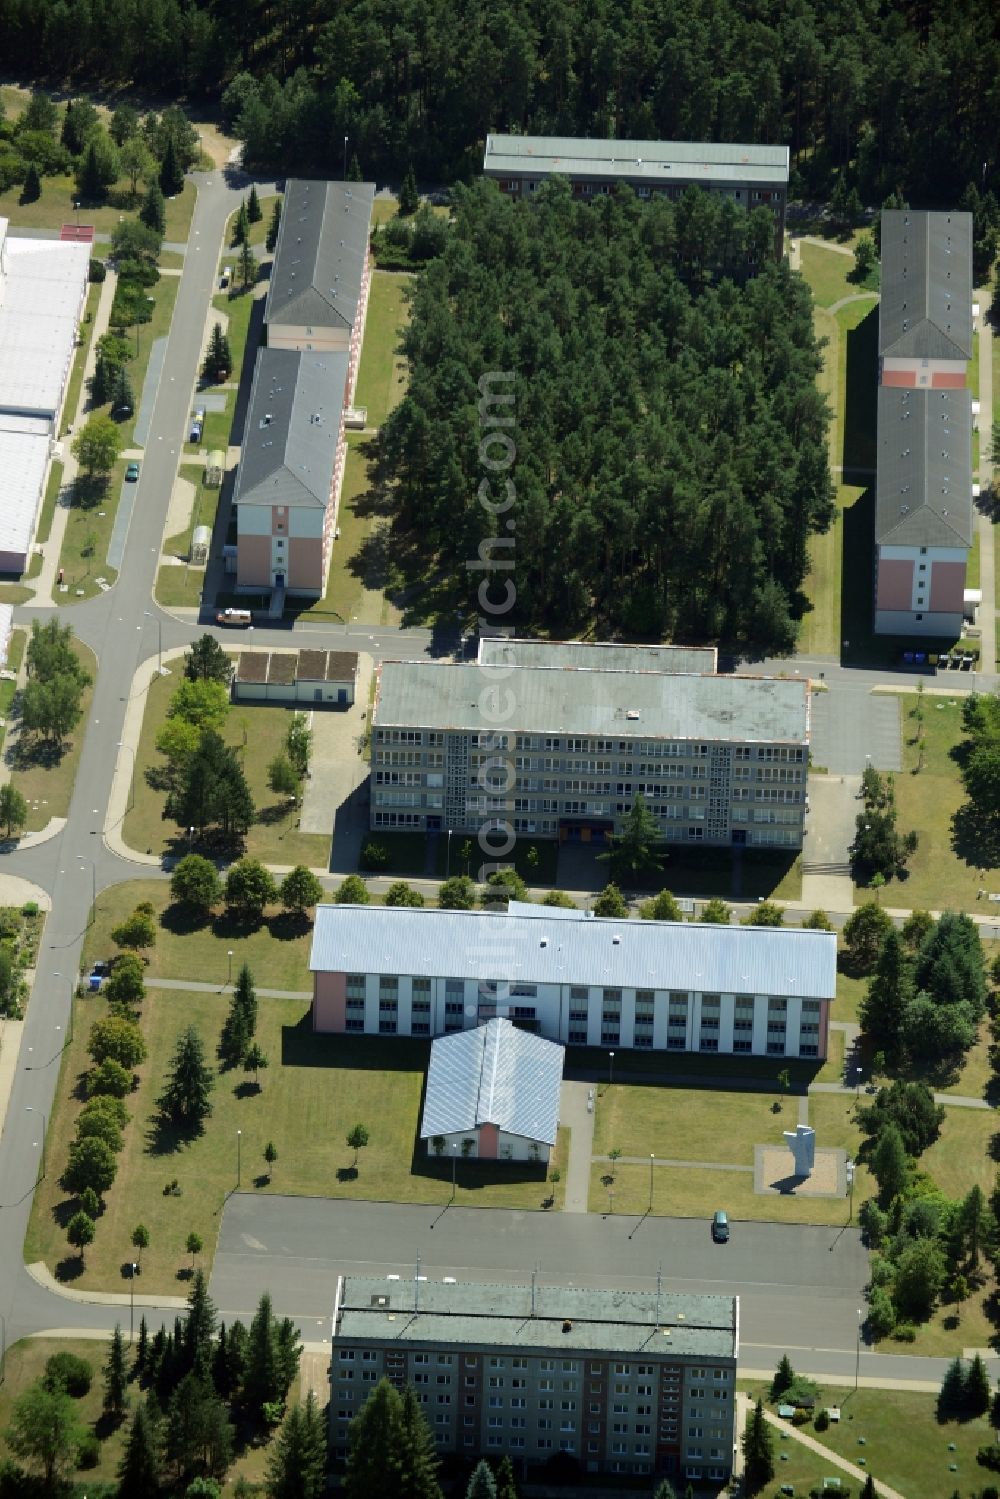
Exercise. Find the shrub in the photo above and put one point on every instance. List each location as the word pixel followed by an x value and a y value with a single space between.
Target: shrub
pixel 989 1456
pixel 904 1332
pixel 801 1417
pixel 88 1451
pixel 374 855
pixel 30 908
pixel 96 271
pixel 65 1371
pixel 822 1421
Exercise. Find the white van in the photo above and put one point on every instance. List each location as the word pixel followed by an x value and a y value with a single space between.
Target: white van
pixel 242 618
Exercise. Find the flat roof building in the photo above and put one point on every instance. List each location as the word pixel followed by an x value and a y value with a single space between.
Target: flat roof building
pixel 646 1378
pixel 591 981
pixel 752 176
pixel 718 759
pixel 597 655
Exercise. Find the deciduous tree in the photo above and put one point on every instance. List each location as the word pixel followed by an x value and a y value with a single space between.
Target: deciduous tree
pixel 195 883
pixel 97 446
pixel 45 1432
pixel 300 890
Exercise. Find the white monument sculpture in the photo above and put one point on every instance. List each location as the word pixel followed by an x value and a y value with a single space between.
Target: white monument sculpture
pixel 802 1144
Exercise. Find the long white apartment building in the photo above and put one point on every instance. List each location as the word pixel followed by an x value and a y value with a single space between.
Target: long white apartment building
pixel 561 750
pixel 574 978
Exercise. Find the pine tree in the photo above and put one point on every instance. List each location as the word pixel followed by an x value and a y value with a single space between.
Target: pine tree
pixel 241 226
pixel 199 1329
pixel 139 1470
pixel 783 1376
pixel 90 182
pixel 218 361
pixel 254 211
pixel 272 228
pixel 184 1100
pixel 409 198
pixel 417 1453
pixel 976 1391
pixel 354 170
pixel 32 189
pixel 122 395
pixel 241 1021
pixel 116 1376
pixel 758 1455
pixel 505 1486
pixel 171 171
pixel 101 381
pixel 141 1349
pixel 868 1492
pixel 665 1490
pixel 296 1468
pixel 482 1484
pixel 633 851
pixel 261 1380
pixel 882 1012
pixel 951 1396
pixel 247 265
pixel 889 1165
pixel 153 210
pixel 373 1458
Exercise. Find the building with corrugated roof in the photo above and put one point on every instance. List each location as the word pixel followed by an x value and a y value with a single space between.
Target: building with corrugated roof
pixel 588 981
pixel 492 1094
pixel 591 655
pixel 630 1381
pixel 563 754
pixel 923 501
pixel 752 176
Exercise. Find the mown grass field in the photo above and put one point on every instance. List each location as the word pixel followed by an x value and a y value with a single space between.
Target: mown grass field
pixel 382 372
pixel 312 1093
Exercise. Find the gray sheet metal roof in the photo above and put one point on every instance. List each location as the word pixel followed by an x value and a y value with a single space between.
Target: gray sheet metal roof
pixel 319 259
pixel 598 655
pixel 628 705
pixel 292 429
pixel 923 491
pixel 571 1319
pixel 655 162
pixel 495 1074
pixel 925 311
pixel 429 943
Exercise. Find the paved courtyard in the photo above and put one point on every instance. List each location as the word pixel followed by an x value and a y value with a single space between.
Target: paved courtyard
pixel 851 725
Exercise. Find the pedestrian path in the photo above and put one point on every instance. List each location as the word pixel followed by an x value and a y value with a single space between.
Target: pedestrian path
pixel 644 1160
pixel 576 1113
pixel 42 1275
pixel 796 1434
pixel 196 986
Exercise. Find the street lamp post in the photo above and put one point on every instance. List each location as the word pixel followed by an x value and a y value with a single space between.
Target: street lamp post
pixel 858 1082
pixel 131 1301
pixel 148 614
pixel 239 1132
pixel 93 885
pixel 131 781
pixel 30 1109
pixel 652 1160
pixel 857 1355
pixel 611 1068
pixel 850 1188
pixel 447 867
pixel 454 1167
pixel 229 955
pixel 69 1028
pixel 346 138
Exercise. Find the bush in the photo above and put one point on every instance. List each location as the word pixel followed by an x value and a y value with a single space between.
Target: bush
pixel 801 1417
pixel 989 1457
pixel 65 1371
pixel 96 271
pixel 881 1313
pixel 822 1421
pixel 904 1332
pixel 88 1452
pixel 30 908
pixel 374 855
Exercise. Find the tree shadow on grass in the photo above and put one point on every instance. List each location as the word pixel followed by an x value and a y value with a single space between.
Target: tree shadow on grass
pixel 235 926
pixel 289 926
pixel 32 753
pixel 164 1137
pixel 181 919
pixel 301 1046
pixel 69 1269
pixel 975 838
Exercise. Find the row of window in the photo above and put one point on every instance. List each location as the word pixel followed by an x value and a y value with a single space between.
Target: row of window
pixel 659 749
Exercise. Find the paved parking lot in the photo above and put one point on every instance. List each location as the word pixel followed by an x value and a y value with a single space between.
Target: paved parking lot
pixel 798 1284
pixel 851 724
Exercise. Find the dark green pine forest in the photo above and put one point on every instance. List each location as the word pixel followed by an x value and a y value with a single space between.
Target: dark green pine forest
pixel 670 442
pixel 898 95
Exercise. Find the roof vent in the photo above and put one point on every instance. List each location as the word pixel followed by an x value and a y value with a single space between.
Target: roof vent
pixel 567 1326
pixel 616 940
pixel 632 713
pixel 380 1301
pixel 544 942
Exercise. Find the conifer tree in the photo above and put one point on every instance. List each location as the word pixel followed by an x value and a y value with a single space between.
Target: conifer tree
pixel 354 170
pixel 199 1329
pixel 409 198
pixel 482 1484
pixel 185 1098
pixel 254 210
pixel 31 191
pixel 976 1392
pixel 218 361
pixel 261 1380
pixel 783 1376
pixel 153 209
pixel 247 265
pixel 272 228
pixel 758 1452
pixel 506 1487
pixel 417 1454
pixel 141 1349
pixel 296 1468
pixel 869 1492
pixel 171 171
pixel 116 1376
pixel 241 226
pixel 139 1470
pixel 122 395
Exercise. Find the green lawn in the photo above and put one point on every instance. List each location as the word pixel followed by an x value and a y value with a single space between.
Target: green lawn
pixel 75 384
pixel 15 654
pixel 44 777
pixel 55 208
pixel 278 956
pixel 164 296
pixel 183 585
pixel 382 373
pixel 690 1193
pixel 827 272
pixel 850 992
pixel 260 732
pixel 687 1124
pixel 314 1090
pixel 905 1445
pixel 960 1158
pixel 832 1070
pixel 48 509
pixel 943 872
pixel 85 540
pixel 976 1073
pixel 236 305
pixel 972 566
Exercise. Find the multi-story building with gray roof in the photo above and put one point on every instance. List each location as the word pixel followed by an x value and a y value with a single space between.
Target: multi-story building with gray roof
pixel 752 176
pixel 636 1382
pixel 574 978
pixel 923 509
pixel 562 753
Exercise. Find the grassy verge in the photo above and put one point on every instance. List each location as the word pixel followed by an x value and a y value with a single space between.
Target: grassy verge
pixel 382 372
pixel 86 538
pixel 48 509
pixel 259 732
pixel 313 1091
pixel 972 566
pixel 850 992
pixel 689 1126
pixel 183 585
pixel 45 779
pixel 15 652
pixel 689 1193
pixel 278 957
pixel 55 208
pixel 216 430
pixel 164 295
pixel 828 273
pixel 236 307
pixel 75 385
pixel 904 1444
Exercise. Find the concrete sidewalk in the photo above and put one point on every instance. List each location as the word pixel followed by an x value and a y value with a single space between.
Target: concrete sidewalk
pixel 42 1275
pixel 575 1115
